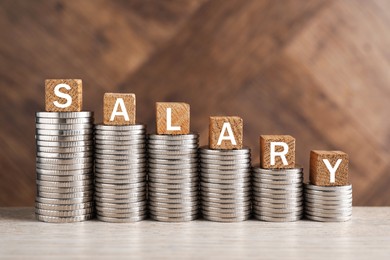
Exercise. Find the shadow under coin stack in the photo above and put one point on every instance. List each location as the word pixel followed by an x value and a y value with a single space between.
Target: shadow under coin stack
pixel 120 172
pixel 173 177
pixel 225 184
pixel 278 194
pixel 328 199
pixel 64 166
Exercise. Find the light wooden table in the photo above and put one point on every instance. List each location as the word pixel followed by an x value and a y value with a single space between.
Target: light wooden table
pixel 367 236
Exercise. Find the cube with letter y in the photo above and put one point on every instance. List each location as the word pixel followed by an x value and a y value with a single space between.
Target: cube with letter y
pixel 172 118
pixel 119 109
pixel 329 168
pixel 225 132
pixel 63 95
pixel 277 151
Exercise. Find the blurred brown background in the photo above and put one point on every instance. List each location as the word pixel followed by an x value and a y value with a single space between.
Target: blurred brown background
pixel 318 70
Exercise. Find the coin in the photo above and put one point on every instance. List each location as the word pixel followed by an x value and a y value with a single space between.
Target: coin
pixel 64 114
pixel 81 120
pixel 120 128
pixel 173 137
pixel 47 206
pixel 62 213
pixel 63 219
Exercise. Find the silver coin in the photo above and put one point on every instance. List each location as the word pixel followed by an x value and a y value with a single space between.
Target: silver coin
pixel 328 204
pixel 108 144
pixel 324 219
pixel 120 206
pixel 222 157
pixel 120 196
pixel 139 138
pixel 231 190
pixel 209 163
pixel 167 200
pixel 226 205
pixel 64 150
pixel 65 190
pixel 81 120
pixel 63 207
pixel 260 204
pixel 64 155
pixel 328 188
pixel 158 147
pixel 121 220
pixel 73 132
pixel 137 133
pixel 279 219
pixel 220 219
pixel 172 153
pixel 105 152
pixel 65 144
pixel 328 212
pixel 62 213
pixel 134 175
pixel 225 186
pixel 64 219
pixel 224 167
pixel 62 201
pixel 64 184
pixel 328 215
pixel 121 148
pixel 279 211
pixel 208 195
pixel 263 212
pixel 136 170
pixel 122 215
pixel 225 215
pixel 172 162
pixel 72 138
pixel 129 210
pixel 81 114
pixel 62 173
pixel 61 162
pixel 328 194
pixel 227 177
pixel 129 180
pixel 278 171
pixel 133 161
pixel 80 177
pixel 120 128
pixel 180 204
pixel 173 172
pixel 128 157
pixel 173 166
pixel 172 214
pixel 121 192
pixel 173 137
pixel 175 144
pixel 152 189
pixel 119 188
pixel 225 172
pixel 175 186
pixel 174 181
pixel 119 167
pixel 233 152
pixel 236 209
pixel 234 200
pixel 329 198
pixel 173 157
pixel 278 186
pixel 63 126
pixel 173 219
pixel 175 209
pixel 260 191
pixel 283 196
pixel 119 201
pixel 278 201
pixel 182 196
pixel 286 182
pixel 276 177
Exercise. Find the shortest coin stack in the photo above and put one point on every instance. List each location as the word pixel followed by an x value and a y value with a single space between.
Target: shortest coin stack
pixel 64 166
pixel 120 173
pixel 226 184
pixel 328 203
pixel 278 194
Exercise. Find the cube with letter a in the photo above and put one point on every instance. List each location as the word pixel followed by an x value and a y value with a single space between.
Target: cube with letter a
pixel 225 132
pixel 329 168
pixel 119 109
pixel 172 118
pixel 277 151
pixel 63 95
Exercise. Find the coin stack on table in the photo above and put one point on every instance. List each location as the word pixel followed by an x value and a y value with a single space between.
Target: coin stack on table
pixel 278 194
pixel 120 172
pixel 173 177
pixel 64 166
pixel 225 184
pixel 328 204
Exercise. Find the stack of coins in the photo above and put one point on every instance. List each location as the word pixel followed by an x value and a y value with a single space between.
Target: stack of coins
pixel 278 194
pixel 64 166
pixel 225 184
pixel 120 172
pixel 173 177
pixel 328 204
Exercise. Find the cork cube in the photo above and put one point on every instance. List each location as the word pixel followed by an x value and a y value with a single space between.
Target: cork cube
pixel 119 109
pixel 277 151
pixel 329 168
pixel 172 118
pixel 63 95
pixel 225 132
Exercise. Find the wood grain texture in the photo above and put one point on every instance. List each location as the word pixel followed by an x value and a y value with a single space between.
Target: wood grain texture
pixel 231 128
pixel 172 118
pixel 317 70
pixel 320 174
pixel 278 142
pixel 69 98
pixel 366 236
pixel 122 105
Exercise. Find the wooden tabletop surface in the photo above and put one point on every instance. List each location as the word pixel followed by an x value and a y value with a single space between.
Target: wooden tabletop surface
pixel 366 236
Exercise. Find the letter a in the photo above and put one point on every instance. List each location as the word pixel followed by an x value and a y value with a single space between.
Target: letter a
pixel 115 112
pixel 226 127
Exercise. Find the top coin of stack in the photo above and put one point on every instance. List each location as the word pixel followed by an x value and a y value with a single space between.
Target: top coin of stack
pixel 225 172
pixel 173 166
pixel 328 197
pixel 64 163
pixel 120 162
pixel 277 184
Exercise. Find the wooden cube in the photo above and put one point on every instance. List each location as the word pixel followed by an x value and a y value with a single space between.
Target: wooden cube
pixel 172 118
pixel 225 132
pixel 329 168
pixel 63 95
pixel 277 151
pixel 119 109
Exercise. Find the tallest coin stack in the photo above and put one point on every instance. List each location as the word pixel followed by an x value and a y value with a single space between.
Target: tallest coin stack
pixel 64 166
